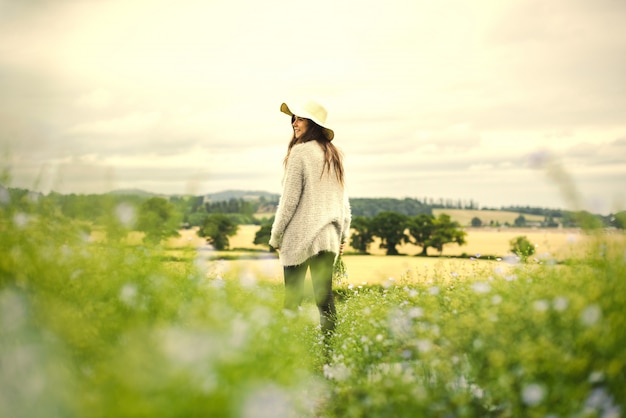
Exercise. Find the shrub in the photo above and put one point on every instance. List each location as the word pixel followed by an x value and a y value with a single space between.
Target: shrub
pixel 522 247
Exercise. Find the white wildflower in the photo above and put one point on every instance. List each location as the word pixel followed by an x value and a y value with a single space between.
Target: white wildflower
pixel 599 400
pixel 596 377
pixel 416 312
pixel 268 402
pixel 533 394
pixel 218 282
pixel 338 372
pixel 128 294
pixel 424 345
pixel 248 279
pixel 390 282
pixel 591 315
pixel 560 303
pixel 125 214
pixel 481 287
pixel 21 219
pixel 541 305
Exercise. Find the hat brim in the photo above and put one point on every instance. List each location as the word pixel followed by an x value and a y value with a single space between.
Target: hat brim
pixel 303 113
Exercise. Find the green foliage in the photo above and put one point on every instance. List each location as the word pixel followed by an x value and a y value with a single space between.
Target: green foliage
pixel 369 208
pixel 109 330
pixel 390 227
pixel 522 247
pixel 158 219
pixel 245 209
pixel 362 235
pixel 619 220
pixel 262 236
pixel 421 229
pixel 520 221
pixel 476 222
pixel 216 229
pixel 428 231
pixel 529 342
pixel 445 232
pixel 549 222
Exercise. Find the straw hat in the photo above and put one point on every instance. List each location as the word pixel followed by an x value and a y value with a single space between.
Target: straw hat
pixel 310 110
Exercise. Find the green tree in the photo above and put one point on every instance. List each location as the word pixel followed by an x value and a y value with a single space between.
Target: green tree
pixel 421 228
pixel 262 236
pixel 619 220
pixel 477 222
pixel 445 232
pixel 216 229
pixel 587 220
pixel 390 227
pixel 362 235
pixel 549 222
pixel 520 221
pixel 522 247
pixel 158 219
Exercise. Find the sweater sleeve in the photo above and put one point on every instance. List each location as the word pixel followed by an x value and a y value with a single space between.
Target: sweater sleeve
pixel 293 183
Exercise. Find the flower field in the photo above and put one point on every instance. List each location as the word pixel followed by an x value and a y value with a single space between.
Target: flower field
pixel 97 328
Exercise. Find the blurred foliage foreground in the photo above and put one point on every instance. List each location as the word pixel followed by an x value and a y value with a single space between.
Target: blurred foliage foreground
pixel 111 330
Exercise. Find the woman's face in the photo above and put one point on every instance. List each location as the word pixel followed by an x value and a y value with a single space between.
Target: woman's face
pixel 300 125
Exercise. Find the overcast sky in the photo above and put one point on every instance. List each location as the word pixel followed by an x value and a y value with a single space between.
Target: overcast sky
pixel 449 99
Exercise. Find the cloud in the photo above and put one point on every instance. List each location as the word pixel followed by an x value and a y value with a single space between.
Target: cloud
pixel 424 97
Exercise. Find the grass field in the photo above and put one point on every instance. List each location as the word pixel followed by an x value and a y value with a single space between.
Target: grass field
pixel 114 328
pixel 551 244
pixel 485 241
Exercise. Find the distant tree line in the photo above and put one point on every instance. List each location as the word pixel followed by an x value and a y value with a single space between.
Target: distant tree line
pixel 519 222
pixel 393 221
pixel 528 210
pixel 241 211
pixel 370 207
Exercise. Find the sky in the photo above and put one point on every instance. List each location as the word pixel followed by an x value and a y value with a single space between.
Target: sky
pixel 502 103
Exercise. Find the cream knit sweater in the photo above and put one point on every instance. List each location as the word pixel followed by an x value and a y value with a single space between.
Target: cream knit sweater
pixel 314 211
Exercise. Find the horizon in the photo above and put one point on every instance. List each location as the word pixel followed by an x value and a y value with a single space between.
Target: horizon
pixel 424 199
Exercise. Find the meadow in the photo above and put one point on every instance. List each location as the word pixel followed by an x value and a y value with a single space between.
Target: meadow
pixel 550 244
pixel 96 327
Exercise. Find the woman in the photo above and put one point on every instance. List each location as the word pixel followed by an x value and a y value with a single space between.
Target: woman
pixel 313 218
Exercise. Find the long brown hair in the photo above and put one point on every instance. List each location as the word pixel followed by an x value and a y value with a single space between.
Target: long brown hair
pixel 332 155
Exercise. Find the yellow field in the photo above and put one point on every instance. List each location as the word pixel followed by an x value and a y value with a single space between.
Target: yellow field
pixel 487 241
pixel 378 268
pixel 484 241
pixel 367 269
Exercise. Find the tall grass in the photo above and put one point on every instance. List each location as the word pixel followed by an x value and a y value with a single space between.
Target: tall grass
pixel 108 329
